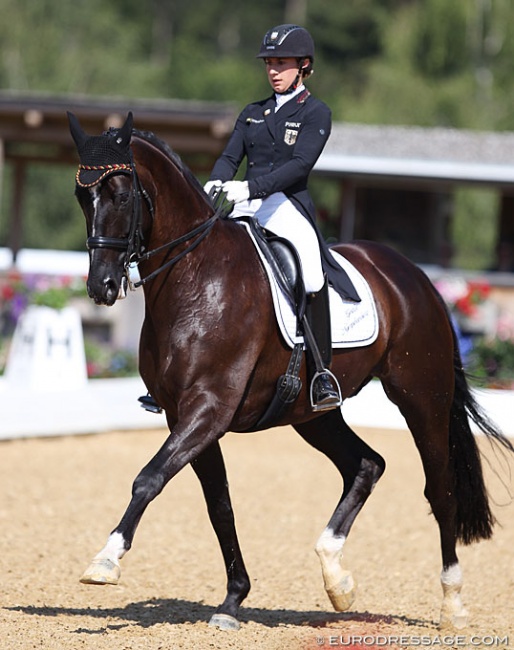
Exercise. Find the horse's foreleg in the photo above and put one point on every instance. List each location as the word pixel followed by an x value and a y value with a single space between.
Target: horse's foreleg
pixel 360 467
pixel 210 469
pixel 105 567
pixel 180 448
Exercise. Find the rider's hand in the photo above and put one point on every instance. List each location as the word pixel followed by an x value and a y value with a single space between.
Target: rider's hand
pixel 210 184
pixel 236 191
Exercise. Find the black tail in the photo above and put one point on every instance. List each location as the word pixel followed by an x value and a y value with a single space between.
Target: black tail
pixel 474 519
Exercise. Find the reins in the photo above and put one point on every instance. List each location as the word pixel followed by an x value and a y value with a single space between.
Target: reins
pixel 202 230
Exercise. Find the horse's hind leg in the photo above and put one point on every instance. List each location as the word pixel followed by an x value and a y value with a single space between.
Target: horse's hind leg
pixel 210 469
pixel 360 467
pixel 427 414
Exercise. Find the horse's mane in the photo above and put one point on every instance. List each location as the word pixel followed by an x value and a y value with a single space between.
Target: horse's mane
pixel 167 151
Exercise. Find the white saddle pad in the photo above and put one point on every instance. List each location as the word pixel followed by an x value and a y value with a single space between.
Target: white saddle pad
pixel 354 324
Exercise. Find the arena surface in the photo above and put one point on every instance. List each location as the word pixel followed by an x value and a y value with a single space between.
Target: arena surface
pixel 60 497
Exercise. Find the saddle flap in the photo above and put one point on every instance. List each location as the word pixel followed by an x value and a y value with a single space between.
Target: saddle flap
pixel 284 263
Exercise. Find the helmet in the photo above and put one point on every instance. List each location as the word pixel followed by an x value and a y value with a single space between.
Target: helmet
pixel 287 41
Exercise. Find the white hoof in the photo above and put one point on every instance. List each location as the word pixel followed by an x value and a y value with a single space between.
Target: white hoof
pixel 451 621
pixel 454 615
pixel 101 572
pixel 224 622
pixel 343 594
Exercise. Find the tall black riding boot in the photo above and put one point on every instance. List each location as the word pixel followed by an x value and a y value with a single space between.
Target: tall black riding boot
pixel 325 391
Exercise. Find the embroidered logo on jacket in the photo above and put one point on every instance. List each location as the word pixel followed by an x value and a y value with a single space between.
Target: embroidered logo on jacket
pixel 290 136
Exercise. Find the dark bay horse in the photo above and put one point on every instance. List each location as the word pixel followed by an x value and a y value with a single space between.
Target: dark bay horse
pixel 211 353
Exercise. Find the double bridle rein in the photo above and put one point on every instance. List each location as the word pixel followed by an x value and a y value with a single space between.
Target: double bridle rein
pixel 133 245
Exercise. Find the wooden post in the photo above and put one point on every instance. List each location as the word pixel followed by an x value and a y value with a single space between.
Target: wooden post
pixel 16 228
pixel 348 210
pixel 505 241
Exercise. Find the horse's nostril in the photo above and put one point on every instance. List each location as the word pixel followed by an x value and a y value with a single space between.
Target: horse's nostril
pixel 111 289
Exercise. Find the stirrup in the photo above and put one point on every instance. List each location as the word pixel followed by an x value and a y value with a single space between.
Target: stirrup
pixel 149 404
pixel 331 403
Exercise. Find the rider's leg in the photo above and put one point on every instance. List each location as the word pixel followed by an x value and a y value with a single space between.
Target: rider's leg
pixel 281 217
pixel 325 392
pixel 278 215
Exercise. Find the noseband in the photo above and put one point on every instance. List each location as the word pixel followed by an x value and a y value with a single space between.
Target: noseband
pixel 133 245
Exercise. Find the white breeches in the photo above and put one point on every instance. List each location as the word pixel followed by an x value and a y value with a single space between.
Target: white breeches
pixel 277 214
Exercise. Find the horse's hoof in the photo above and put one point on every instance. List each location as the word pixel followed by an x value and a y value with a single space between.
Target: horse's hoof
pixel 454 621
pixel 224 622
pixel 101 572
pixel 343 594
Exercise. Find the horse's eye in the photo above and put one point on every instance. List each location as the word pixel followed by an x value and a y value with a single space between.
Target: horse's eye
pixel 122 198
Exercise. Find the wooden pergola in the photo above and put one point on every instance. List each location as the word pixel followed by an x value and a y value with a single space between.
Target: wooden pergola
pixel 34 129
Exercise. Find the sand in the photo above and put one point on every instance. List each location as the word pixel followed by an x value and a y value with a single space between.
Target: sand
pixel 60 497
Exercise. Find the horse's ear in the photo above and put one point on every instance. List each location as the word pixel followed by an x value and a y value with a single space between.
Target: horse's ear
pixel 125 133
pixel 76 131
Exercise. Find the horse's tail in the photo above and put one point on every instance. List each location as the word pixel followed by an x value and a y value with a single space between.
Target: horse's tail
pixel 474 519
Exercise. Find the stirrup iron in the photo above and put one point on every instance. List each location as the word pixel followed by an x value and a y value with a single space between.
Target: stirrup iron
pixel 330 405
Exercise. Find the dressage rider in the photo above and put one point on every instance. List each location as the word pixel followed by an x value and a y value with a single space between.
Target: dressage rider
pixel 281 138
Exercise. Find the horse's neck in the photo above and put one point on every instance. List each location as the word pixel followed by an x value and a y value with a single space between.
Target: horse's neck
pixel 178 210
pixel 178 206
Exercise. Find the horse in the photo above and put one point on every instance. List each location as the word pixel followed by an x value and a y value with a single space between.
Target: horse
pixel 211 352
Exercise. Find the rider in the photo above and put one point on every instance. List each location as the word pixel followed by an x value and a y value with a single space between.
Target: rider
pixel 282 137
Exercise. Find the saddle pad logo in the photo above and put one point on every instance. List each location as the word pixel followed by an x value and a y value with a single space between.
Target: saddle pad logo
pixel 290 136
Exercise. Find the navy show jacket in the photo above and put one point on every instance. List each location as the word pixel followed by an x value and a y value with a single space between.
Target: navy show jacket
pixel 281 149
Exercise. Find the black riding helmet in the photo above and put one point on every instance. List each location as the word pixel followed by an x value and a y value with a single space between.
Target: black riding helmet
pixel 286 41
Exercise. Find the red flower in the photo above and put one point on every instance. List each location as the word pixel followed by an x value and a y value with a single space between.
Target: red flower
pixel 7 292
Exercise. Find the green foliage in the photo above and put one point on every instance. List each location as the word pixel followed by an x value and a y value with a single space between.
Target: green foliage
pixel 440 44
pixel 348 32
pixel 474 228
pixel 431 62
pixel 103 362
pixel 492 362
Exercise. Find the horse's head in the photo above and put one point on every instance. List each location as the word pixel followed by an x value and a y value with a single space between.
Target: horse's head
pixel 107 189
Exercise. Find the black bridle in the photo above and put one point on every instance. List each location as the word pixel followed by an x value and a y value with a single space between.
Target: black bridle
pixel 133 245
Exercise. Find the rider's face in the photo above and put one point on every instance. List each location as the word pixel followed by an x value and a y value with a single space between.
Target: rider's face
pixel 281 72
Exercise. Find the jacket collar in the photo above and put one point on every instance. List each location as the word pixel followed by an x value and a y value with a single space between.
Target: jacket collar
pixel 286 110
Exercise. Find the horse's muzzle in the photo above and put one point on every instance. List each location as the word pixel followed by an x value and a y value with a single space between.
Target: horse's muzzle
pixel 107 292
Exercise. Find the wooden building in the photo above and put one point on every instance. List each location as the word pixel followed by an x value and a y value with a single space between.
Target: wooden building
pixel 34 129
pixel 397 185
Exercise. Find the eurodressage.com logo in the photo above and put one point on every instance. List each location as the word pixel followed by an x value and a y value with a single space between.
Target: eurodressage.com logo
pixel 372 642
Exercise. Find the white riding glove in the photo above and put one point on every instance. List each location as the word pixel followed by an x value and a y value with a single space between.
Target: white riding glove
pixel 236 191
pixel 210 184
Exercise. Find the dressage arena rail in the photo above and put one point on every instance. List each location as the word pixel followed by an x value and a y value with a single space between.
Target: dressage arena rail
pixel 111 405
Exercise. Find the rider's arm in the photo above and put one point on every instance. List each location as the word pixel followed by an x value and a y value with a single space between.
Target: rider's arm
pixel 228 163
